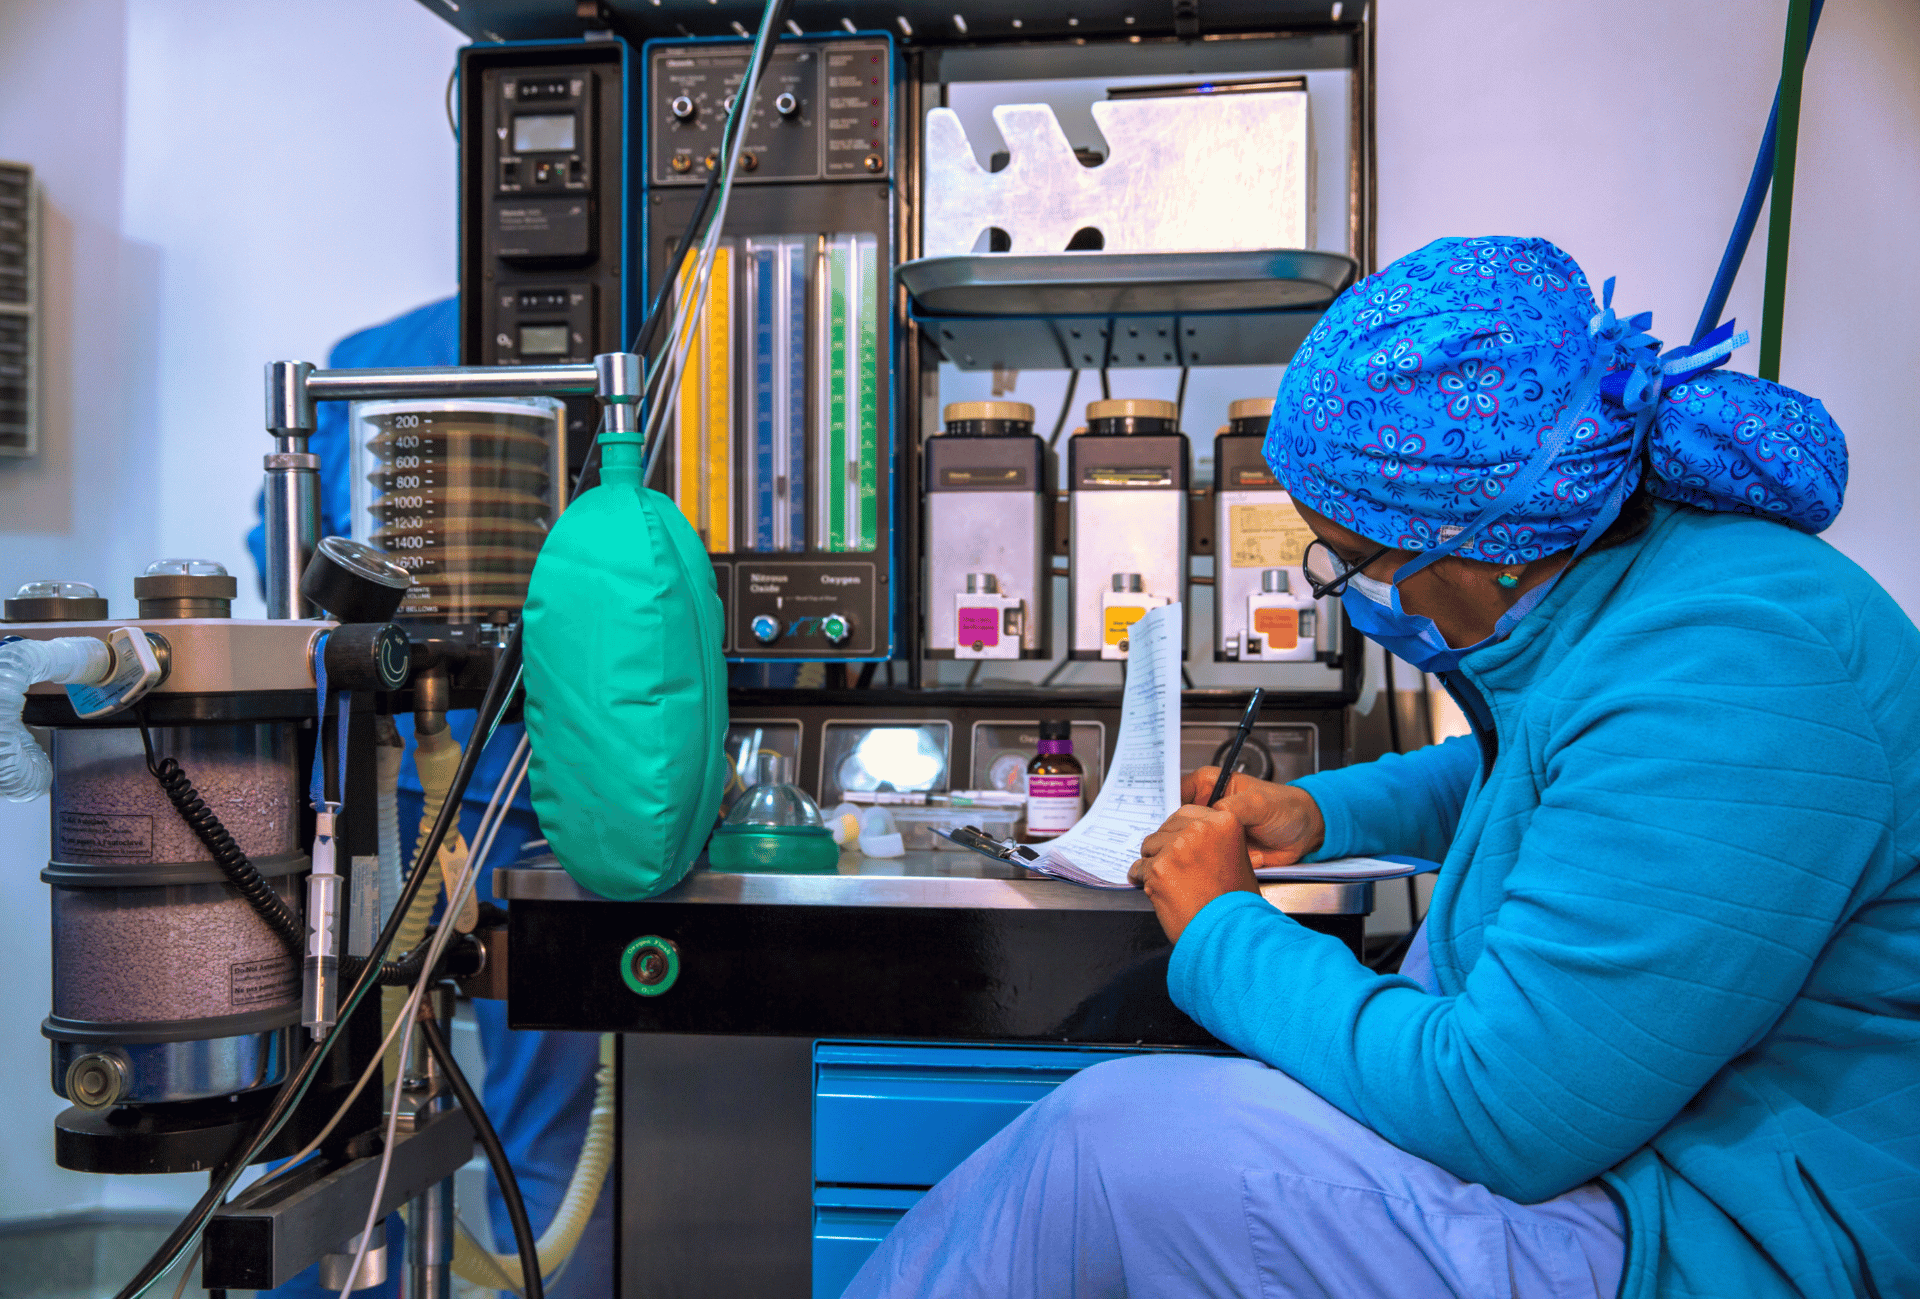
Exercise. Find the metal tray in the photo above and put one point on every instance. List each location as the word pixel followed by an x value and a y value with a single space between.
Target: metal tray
pixel 1125 284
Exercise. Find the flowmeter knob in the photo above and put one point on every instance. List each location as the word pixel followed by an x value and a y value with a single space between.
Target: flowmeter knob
pixel 785 104
pixel 354 582
pixel 835 628
pixel 682 108
pixel 765 629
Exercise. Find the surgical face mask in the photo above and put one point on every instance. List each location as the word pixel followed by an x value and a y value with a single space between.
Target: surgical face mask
pixel 1373 588
pixel 1373 607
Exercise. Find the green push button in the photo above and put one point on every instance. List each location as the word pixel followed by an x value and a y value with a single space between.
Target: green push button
pixel 650 965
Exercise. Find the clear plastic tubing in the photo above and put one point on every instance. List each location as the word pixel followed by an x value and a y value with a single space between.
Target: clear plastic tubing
pixel 25 772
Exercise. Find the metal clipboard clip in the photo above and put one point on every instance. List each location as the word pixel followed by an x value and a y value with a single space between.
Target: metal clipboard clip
pixel 974 839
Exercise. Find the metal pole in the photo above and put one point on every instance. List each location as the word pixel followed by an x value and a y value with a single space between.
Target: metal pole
pixel 293 488
pixel 429 1214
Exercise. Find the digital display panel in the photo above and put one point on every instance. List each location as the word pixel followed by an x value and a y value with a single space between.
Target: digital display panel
pixel 543 340
pixel 543 133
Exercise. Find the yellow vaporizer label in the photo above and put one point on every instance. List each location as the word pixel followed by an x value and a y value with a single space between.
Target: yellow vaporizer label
pixel 1119 617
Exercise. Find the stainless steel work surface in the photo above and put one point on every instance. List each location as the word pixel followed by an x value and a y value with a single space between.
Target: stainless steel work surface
pixel 920 879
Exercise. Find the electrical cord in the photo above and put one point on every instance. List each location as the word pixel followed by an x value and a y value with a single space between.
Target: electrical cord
pixel 457 893
pixel 1180 399
pixel 1066 407
pixel 501 690
pixel 523 1238
pixel 663 385
pixel 227 855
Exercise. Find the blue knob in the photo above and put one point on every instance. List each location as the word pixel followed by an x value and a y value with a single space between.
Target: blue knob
pixel 765 629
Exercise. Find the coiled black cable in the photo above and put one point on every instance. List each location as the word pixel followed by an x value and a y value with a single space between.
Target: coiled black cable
pixel 247 880
pixel 227 855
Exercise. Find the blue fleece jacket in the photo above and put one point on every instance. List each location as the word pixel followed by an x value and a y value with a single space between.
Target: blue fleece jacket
pixel 1677 933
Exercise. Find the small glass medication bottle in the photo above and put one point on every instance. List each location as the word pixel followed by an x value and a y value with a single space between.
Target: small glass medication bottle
pixel 1054 795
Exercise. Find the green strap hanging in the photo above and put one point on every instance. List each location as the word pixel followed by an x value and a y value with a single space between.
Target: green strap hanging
pixel 1793 63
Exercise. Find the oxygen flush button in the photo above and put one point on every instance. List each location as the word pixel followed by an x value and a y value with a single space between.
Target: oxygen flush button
pixel 765 629
pixel 650 965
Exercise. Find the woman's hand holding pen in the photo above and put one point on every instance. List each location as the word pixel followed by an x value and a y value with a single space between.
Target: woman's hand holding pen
pixel 1203 852
pixel 1282 822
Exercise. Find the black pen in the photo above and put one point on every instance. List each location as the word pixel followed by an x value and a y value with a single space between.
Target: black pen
pixel 1233 750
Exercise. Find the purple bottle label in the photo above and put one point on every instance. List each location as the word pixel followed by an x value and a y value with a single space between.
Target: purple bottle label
pixel 1053 804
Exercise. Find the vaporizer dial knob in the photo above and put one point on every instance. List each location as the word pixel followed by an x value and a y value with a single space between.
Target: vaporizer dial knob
pixel 682 108
pixel 835 628
pixel 785 104
pixel 765 629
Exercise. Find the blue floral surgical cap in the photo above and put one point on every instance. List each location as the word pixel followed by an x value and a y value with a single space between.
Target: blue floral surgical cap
pixel 1426 389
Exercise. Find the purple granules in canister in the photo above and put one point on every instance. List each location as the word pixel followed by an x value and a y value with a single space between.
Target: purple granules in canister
pixel 180 951
pixel 109 810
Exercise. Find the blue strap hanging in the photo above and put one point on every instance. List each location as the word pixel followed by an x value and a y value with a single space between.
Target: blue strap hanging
pixel 317 787
pixel 1743 225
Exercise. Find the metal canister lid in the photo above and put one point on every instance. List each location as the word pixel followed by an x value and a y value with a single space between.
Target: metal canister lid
pixel 1132 415
pixel 987 418
pixel 1251 408
pixel 55 601
pixel 185 588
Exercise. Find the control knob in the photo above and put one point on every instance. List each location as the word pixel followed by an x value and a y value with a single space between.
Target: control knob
pixel 682 108
pixel 835 628
pixel 765 629
pixel 785 104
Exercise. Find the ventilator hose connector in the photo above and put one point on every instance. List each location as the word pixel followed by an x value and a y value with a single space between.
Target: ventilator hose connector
pixel 25 772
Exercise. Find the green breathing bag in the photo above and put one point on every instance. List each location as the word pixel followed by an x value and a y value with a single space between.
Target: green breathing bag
pixel 626 687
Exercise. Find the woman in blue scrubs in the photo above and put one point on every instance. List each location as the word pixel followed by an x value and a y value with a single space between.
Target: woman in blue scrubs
pixel 1660 1034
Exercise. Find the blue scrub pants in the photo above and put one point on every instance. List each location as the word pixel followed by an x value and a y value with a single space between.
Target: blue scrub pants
pixel 1176 1175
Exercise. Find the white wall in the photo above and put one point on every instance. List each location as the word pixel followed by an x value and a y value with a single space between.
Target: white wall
pixel 294 164
pixel 226 182
pixel 1624 131
pixel 230 181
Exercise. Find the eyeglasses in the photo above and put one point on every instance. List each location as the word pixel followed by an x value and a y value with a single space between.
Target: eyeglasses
pixel 1326 573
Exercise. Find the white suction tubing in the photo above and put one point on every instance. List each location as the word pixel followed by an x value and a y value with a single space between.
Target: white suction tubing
pixel 25 772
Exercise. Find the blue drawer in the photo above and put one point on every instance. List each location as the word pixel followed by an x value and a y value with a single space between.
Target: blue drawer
pixel 907 1115
pixel 848 1223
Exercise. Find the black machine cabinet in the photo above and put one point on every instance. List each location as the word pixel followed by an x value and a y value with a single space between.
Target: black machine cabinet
pixel 545 209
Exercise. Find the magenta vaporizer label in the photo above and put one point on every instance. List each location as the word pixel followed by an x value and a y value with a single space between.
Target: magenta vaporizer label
pixel 982 625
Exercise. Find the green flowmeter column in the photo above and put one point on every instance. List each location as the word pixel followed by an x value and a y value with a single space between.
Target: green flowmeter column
pixel 626 686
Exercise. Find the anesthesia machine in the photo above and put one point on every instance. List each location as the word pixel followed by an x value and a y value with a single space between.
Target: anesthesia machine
pixel 720 452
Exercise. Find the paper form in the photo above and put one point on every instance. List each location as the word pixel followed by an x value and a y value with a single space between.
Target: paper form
pixel 1142 787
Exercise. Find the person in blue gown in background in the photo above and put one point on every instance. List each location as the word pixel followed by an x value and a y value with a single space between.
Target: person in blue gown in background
pixel 539 1086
